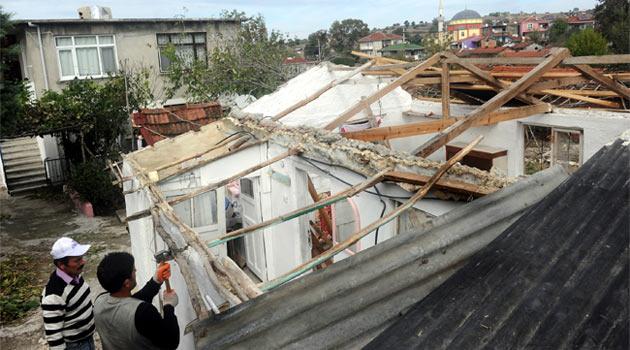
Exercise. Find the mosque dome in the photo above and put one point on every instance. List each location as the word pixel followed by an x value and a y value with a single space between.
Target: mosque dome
pixel 466 14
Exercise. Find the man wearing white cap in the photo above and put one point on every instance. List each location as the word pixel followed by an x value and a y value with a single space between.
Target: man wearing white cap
pixel 66 301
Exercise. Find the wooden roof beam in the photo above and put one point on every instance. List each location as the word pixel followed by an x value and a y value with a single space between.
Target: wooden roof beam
pixel 554 58
pixel 361 105
pixel 609 83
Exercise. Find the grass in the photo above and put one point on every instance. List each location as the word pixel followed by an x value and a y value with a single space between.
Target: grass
pixel 19 287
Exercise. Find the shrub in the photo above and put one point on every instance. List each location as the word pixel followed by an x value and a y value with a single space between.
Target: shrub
pixel 94 184
pixel 587 42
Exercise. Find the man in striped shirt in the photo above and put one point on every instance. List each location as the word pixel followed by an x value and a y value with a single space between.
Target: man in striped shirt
pixel 66 301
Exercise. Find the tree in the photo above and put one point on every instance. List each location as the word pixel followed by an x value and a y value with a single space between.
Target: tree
pixel 317 45
pixel 587 42
pixel 434 26
pixel 345 35
pixel 13 92
pixel 413 24
pixel 406 23
pixel 612 19
pixel 249 64
pixel 559 32
pixel 416 39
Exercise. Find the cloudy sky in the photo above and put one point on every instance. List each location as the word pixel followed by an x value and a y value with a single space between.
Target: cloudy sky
pixel 293 17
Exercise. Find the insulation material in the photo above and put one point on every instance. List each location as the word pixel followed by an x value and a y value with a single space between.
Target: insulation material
pixel 332 103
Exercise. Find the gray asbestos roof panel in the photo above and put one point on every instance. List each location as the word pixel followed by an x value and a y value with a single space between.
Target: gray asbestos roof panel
pixel 557 278
pixel 352 301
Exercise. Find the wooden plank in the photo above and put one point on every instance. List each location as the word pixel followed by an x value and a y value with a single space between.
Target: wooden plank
pixel 556 56
pixel 356 108
pixel 597 93
pixel 592 60
pixel 556 83
pixel 374 225
pixel 443 184
pixel 198 154
pixel 323 214
pixel 233 177
pixel 429 127
pixel 596 101
pixel 445 90
pixel 321 91
pixel 492 81
pixel 609 83
pixel 438 80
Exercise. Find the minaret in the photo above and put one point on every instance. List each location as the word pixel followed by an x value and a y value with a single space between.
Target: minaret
pixel 441 23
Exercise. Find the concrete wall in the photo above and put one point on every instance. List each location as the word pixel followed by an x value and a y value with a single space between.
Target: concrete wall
pixel 136 45
pixel 599 127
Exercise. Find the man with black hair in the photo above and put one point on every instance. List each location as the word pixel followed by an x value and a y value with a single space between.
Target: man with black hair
pixel 126 321
pixel 66 302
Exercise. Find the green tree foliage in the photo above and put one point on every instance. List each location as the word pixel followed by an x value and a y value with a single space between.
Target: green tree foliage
pixel 559 32
pixel 345 35
pixel 249 64
pixel 98 111
pixel 406 24
pixel 315 42
pixel 416 39
pixel 13 92
pixel 587 42
pixel 95 186
pixel 612 18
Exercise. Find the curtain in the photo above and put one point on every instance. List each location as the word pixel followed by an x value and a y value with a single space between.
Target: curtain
pixel 205 209
pixel 109 60
pixel 87 60
pixel 65 60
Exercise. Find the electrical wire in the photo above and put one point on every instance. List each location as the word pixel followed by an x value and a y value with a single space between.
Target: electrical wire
pixel 311 162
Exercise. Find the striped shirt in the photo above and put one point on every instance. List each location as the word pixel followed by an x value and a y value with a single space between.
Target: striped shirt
pixel 68 312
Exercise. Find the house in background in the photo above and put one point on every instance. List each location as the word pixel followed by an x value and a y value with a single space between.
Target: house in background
pixel 95 46
pixel 406 50
pixel 581 21
pixel 534 24
pixel 375 42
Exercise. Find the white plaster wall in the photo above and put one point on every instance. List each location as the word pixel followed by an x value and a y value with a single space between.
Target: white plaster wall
pixel 599 127
pixel 144 244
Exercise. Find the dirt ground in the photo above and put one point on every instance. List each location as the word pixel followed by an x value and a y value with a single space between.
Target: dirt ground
pixel 29 226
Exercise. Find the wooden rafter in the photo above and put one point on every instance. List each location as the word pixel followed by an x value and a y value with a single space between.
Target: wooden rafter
pixel 491 80
pixel 609 83
pixel 361 105
pixel 429 127
pixel 555 57
pixel 445 90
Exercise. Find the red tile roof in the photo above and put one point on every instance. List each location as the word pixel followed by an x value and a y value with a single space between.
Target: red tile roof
pixel 480 51
pixel 380 36
pixel 541 53
pixel 158 124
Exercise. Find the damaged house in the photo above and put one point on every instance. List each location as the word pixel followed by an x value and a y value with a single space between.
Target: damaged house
pixel 350 203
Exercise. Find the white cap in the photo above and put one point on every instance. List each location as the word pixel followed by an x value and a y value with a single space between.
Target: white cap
pixel 68 247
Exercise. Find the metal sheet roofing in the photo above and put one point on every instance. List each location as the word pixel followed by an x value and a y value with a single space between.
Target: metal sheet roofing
pixel 557 278
pixel 349 303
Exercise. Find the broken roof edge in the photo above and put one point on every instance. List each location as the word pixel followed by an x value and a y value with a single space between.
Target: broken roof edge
pixel 360 156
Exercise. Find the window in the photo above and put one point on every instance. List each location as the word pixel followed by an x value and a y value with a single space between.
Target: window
pixel 546 146
pixel 530 26
pixel 86 56
pixel 247 187
pixel 199 211
pixel 188 47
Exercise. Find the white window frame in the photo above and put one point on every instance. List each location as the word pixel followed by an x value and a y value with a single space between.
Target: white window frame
pixel 160 46
pixel 75 61
pixel 530 26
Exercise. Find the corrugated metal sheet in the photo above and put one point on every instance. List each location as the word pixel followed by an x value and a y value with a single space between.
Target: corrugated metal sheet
pixel 349 303
pixel 557 278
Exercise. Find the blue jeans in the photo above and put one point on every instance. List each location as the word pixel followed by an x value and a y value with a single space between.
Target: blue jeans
pixel 84 344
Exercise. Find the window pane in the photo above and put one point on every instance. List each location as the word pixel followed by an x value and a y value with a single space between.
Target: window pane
pixel 247 187
pixel 205 209
pixel 109 60
pixel 65 60
pixel 64 41
pixel 201 53
pixel 104 40
pixel 87 60
pixel 182 210
pixel 182 38
pixel 200 38
pixel 164 61
pixel 186 53
pixel 162 39
pixel 85 40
